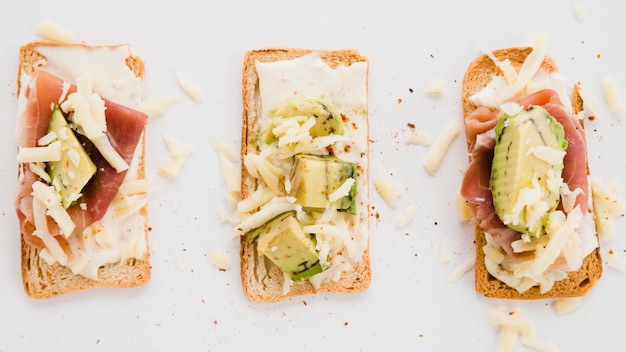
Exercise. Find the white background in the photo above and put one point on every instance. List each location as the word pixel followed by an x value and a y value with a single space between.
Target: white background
pixel 189 305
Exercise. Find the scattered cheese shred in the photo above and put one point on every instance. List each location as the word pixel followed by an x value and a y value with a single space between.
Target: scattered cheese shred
pixel 435 88
pixel 418 138
pixel 158 106
pixel 52 31
pixel 438 150
pixel 615 261
pixel 51 152
pixel 612 96
pixel 513 324
pixel 462 209
pixel 220 259
pixel 171 167
pixel 579 12
pixel 405 217
pixel 566 305
pixel 189 87
pixel 461 270
pixel 606 206
pixel 388 190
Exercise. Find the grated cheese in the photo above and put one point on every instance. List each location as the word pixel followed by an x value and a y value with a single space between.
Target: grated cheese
pixel 405 217
pixel 52 201
pixel 613 260
pixel 220 259
pixel 418 138
pixel 612 96
pixel 566 305
pixel 388 190
pixel 438 150
pixel 462 209
pixel 52 31
pixel 461 270
pixel 579 12
pixel 51 152
pixel 189 87
pixel 513 325
pixel 158 106
pixel 435 88
pixel 606 206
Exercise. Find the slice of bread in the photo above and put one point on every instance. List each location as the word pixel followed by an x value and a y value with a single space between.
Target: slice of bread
pixel 477 76
pixel 262 281
pixel 42 280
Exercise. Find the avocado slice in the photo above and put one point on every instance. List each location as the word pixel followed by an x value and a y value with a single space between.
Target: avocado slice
pixel 522 165
pixel 314 177
pixel 283 241
pixel 72 172
pixel 327 120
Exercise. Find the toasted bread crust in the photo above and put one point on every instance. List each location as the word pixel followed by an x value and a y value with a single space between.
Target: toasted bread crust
pixel 262 281
pixel 578 283
pixel 41 280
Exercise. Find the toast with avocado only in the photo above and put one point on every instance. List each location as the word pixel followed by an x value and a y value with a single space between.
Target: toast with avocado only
pixel 304 206
pixel 527 183
pixel 81 200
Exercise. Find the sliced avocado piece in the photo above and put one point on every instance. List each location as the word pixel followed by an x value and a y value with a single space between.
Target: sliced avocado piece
pixel 517 165
pixel 315 177
pixel 72 172
pixel 283 241
pixel 327 120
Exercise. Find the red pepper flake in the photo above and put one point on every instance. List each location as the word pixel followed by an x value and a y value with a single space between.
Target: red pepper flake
pixel 610 251
pixel 421 335
pixel 345 323
pixel 512 313
pixel 399 100
pixel 598 55
pixel 304 302
pixel 591 118
pixel 432 56
pixel 411 125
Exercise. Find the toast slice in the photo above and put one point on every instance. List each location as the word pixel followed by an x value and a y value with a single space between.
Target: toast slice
pixel 262 281
pixel 478 75
pixel 44 280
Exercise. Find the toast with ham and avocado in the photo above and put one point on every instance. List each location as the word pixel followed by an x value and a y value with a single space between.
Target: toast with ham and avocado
pixel 527 183
pixel 81 200
pixel 304 182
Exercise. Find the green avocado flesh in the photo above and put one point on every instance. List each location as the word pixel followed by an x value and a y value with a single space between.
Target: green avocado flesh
pixel 283 241
pixel 315 177
pixel 72 172
pixel 516 166
pixel 327 120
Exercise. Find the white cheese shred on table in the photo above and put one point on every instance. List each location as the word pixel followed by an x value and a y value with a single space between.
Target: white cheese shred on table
pixel 52 31
pixel 388 190
pixel 438 150
pixel 513 325
pixel 461 270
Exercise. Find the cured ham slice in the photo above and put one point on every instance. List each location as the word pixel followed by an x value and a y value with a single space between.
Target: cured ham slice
pixel 124 130
pixel 475 187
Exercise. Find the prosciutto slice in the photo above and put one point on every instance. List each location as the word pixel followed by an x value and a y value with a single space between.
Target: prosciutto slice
pixel 479 131
pixel 124 129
